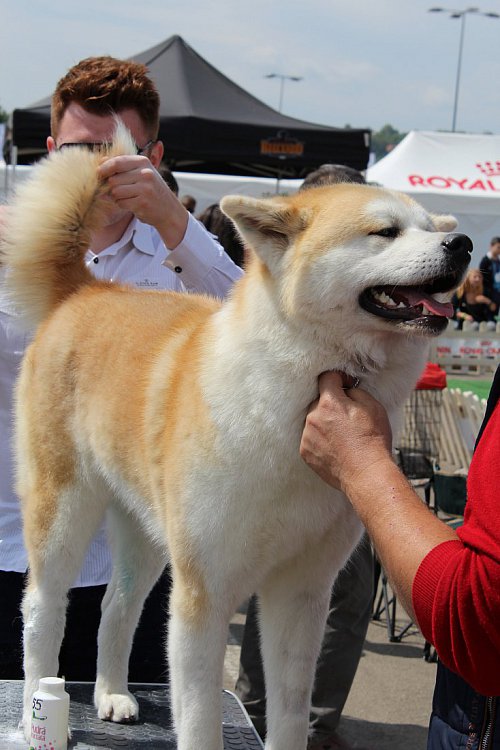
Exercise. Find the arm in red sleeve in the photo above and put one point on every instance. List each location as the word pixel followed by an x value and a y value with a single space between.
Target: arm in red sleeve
pixel 456 591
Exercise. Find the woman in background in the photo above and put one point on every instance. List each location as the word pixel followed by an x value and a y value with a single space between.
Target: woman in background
pixel 471 304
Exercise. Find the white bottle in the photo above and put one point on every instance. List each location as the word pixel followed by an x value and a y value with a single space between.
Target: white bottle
pixel 49 715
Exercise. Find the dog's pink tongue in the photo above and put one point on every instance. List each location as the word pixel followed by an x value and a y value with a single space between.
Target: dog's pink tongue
pixel 443 309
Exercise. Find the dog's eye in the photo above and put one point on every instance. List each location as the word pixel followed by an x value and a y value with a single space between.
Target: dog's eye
pixel 389 232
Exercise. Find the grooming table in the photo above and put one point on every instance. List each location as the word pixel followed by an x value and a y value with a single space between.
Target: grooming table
pixel 151 732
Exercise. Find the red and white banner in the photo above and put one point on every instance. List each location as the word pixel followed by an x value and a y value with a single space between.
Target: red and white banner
pixel 457 347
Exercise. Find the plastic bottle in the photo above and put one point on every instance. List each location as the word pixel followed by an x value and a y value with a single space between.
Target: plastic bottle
pixel 49 716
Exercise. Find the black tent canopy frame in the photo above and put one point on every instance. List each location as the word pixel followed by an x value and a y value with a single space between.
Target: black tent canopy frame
pixel 209 124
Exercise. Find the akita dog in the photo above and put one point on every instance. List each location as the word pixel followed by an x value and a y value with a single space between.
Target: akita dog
pixel 181 417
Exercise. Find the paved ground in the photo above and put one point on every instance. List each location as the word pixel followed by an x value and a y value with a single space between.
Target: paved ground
pixel 389 704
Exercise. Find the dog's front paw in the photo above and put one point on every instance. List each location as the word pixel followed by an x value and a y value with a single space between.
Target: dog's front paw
pixel 122 708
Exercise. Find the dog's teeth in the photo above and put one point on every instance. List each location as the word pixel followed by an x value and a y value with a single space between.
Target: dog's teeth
pixel 443 296
pixel 425 310
pixel 401 304
pixel 384 298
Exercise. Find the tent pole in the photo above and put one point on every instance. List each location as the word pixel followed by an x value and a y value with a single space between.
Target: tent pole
pixel 11 169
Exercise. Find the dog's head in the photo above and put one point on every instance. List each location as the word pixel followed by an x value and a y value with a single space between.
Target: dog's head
pixel 373 257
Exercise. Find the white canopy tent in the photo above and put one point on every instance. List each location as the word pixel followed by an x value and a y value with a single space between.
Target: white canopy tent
pixel 449 173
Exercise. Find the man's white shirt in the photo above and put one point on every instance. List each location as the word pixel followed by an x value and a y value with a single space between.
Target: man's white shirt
pixel 198 263
pixel 139 258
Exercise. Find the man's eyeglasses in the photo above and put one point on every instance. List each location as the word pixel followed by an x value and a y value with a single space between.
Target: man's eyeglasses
pixel 103 146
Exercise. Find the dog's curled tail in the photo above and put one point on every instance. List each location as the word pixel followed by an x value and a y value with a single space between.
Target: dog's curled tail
pixel 48 228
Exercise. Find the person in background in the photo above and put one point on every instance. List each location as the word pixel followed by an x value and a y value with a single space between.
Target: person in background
pixel 329 174
pixel 471 304
pixel 448 580
pixel 165 172
pixel 189 203
pixel 223 228
pixel 350 610
pixel 149 241
pixel 490 268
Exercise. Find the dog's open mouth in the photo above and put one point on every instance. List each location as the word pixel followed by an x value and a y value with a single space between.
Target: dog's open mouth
pixel 411 303
pixel 403 303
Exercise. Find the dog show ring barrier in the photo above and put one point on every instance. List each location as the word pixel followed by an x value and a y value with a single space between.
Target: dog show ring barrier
pixel 467 352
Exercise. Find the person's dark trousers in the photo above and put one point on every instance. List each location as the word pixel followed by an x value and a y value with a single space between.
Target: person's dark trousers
pixel 345 632
pixel 462 718
pixel 78 656
pixel 11 626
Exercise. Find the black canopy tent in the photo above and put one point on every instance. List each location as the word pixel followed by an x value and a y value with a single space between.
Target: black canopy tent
pixel 209 124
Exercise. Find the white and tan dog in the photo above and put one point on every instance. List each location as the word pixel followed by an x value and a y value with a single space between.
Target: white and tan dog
pixel 181 418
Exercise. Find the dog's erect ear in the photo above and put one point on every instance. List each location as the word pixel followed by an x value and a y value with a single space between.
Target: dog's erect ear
pixel 444 223
pixel 268 226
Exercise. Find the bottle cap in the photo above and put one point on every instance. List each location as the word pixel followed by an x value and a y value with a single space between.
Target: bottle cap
pixel 52 685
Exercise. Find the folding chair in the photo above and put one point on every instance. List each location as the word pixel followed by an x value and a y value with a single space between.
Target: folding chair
pixel 418 444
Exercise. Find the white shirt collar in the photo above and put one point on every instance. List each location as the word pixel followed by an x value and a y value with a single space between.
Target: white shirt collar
pixel 141 237
pixel 137 234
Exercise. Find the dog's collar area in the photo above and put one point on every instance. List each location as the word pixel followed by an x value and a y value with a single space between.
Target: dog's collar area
pixel 355 383
pixel 354 380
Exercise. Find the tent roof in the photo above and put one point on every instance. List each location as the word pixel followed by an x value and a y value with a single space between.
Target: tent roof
pixel 189 86
pixel 209 123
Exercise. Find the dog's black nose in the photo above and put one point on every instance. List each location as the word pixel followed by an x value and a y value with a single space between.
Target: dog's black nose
pixel 457 243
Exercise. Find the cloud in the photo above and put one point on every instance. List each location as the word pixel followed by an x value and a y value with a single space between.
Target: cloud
pixel 362 63
pixel 432 95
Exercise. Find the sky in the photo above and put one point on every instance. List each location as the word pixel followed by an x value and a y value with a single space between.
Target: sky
pixel 363 63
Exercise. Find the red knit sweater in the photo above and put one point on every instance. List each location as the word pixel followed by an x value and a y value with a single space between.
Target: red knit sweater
pixel 456 591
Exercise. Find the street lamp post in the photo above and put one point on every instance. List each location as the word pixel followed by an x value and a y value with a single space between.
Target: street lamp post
pixel 282 78
pixel 462 15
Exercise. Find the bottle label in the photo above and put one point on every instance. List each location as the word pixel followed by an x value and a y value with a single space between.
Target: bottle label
pixel 48 724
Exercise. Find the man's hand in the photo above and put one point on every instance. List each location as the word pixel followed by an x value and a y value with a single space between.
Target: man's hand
pixel 347 433
pixel 135 185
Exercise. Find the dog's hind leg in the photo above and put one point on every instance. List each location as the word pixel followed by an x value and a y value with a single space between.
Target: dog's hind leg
pixel 56 545
pixel 137 564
